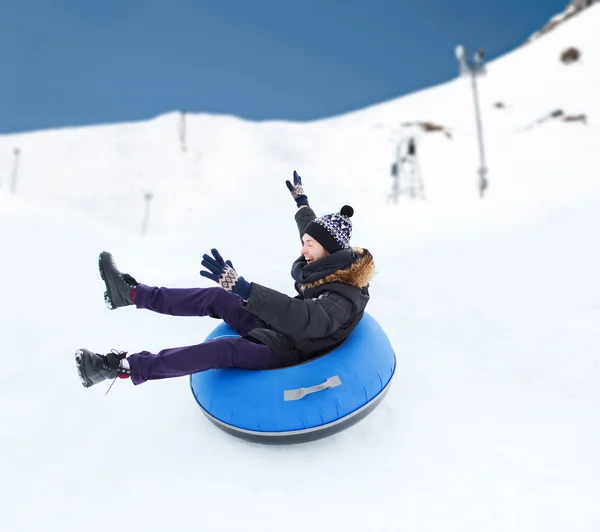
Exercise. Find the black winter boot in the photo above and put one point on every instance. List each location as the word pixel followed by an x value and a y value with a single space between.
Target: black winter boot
pixel 118 285
pixel 94 368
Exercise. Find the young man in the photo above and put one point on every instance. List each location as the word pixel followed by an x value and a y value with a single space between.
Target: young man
pixel 276 330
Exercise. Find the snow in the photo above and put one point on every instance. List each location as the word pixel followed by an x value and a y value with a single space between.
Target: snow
pixel 493 307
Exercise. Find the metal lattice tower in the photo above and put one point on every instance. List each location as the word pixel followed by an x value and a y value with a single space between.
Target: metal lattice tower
pixel 406 172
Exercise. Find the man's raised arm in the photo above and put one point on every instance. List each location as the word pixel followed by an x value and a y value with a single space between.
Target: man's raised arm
pixel 305 214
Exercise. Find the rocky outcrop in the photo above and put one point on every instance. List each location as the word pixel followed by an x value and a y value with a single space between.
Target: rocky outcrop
pixel 576 118
pixel 574 7
pixel 557 114
pixel 570 55
pixel 429 127
pixel 582 4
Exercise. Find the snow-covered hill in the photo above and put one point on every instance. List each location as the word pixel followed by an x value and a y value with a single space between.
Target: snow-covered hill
pixel 106 170
pixel 493 307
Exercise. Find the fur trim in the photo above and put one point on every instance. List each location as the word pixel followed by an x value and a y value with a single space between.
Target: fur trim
pixel 359 274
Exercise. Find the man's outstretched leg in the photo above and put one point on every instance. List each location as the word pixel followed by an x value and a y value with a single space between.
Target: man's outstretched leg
pixel 214 302
pixel 122 290
pixel 176 362
pixel 214 354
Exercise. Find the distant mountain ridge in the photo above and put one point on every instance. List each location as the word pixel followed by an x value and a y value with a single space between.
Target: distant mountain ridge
pixel 574 7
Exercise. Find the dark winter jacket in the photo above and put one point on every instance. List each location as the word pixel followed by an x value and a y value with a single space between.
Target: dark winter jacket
pixel 332 296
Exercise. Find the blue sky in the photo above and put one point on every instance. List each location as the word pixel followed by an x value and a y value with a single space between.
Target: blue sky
pixel 75 62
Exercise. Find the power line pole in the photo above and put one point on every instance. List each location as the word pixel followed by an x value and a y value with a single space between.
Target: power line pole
pixel 182 131
pixel 474 69
pixel 15 172
pixel 148 197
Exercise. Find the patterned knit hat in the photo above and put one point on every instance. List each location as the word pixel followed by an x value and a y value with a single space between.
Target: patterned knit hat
pixel 332 231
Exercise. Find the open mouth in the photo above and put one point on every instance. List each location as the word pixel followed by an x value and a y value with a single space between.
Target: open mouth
pixel 308 260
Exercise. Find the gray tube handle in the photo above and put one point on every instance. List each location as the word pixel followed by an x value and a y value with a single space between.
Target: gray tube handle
pixel 295 395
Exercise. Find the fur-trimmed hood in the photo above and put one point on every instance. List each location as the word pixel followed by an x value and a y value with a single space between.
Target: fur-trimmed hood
pixel 354 267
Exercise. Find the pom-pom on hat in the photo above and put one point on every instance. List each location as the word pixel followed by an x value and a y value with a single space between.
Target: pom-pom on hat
pixel 332 231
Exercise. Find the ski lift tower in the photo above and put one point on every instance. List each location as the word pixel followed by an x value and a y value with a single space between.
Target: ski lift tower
pixel 474 69
pixel 406 172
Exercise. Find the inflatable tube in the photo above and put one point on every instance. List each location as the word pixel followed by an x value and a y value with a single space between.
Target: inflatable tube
pixel 300 403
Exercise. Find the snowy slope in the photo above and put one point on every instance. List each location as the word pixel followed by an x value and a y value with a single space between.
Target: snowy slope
pixel 493 307
pixel 106 170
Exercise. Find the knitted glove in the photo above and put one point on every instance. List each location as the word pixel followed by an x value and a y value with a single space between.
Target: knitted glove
pixel 223 273
pixel 297 190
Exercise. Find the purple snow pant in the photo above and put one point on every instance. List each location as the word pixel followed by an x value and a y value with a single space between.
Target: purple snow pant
pixel 216 353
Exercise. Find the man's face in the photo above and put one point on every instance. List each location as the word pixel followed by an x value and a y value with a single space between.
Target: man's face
pixel 311 249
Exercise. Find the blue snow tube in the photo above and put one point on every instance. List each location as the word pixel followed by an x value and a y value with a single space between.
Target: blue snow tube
pixel 300 403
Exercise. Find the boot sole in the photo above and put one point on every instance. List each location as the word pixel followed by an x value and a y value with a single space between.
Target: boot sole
pixel 80 369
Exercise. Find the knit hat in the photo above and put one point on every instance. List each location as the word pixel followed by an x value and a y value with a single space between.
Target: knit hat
pixel 332 231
